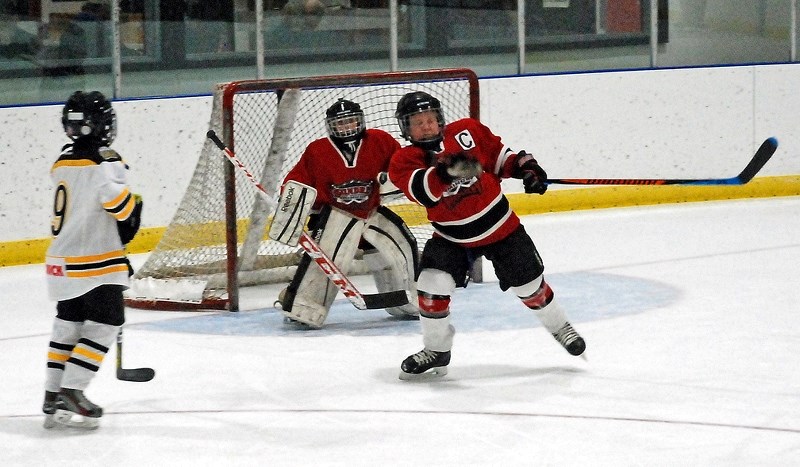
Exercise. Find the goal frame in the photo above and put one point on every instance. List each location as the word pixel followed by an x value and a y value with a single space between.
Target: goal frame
pixel 227 92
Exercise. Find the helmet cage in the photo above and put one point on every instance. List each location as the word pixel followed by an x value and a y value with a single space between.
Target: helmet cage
pixel 344 120
pixel 346 126
pixel 414 103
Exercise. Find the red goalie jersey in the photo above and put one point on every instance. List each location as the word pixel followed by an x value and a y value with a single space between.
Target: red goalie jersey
pixel 346 181
pixel 471 212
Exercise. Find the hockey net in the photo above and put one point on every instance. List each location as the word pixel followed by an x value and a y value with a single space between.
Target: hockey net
pixel 216 241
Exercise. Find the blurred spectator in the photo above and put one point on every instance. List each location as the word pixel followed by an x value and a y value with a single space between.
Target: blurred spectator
pixel 300 27
pixel 84 35
pixel 95 19
pixel 91 11
pixel 303 14
pixel 212 26
pixel 15 41
pixel 66 57
pixel 173 30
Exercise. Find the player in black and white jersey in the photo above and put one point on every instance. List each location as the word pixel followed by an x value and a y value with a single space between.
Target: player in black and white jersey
pixel 94 215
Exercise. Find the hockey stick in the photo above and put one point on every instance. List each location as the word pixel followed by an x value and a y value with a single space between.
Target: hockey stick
pixel 131 374
pixel 328 267
pixel 760 158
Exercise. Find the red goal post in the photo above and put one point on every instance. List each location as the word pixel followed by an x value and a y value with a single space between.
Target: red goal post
pixel 216 242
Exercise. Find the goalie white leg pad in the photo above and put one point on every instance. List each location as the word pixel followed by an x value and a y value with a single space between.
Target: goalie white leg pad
pixel 307 312
pixel 395 260
pixel 314 292
pixel 292 212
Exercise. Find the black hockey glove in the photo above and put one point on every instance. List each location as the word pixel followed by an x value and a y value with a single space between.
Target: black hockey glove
pixel 130 268
pixel 456 166
pixel 127 229
pixel 533 176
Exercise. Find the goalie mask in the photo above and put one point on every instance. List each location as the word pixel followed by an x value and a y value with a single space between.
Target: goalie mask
pixel 414 103
pixel 345 121
pixel 89 114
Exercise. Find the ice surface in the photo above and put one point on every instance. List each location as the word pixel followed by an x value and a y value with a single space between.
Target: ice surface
pixel 691 318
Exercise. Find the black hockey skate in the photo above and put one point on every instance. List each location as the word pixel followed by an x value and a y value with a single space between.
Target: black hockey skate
pixel 570 339
pixel 71 403
pixel 49 408
pixel 423 361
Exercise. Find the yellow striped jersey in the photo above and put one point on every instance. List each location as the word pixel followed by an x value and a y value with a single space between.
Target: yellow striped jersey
pixel 91 195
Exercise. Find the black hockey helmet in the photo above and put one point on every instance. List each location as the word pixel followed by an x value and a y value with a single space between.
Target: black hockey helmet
pixel 345 121
pixel 414 103
pixel 89 114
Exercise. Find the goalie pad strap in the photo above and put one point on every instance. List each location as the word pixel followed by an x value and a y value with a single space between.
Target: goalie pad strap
pixel 293 209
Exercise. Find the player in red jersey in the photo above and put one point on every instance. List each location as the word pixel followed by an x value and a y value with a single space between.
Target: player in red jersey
pixel 455 171
pixel 344 168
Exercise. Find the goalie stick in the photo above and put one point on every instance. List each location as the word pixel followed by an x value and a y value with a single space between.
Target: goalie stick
pixel 131 374
pixel 765 151
pixel 328 267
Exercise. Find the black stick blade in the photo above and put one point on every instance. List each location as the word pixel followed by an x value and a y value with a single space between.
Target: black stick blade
pixel 385 299
pixel 139 375
pixel 767 149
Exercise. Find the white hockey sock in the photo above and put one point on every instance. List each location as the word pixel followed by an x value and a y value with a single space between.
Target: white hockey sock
pixel 63 338
pixel 87 356
pixel 437 333
pixel 552 316
pixel 538 296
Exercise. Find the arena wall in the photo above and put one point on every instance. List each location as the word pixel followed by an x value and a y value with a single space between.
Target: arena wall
pixel 672 123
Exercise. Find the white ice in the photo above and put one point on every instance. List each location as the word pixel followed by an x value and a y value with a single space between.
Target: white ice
pixel 690 312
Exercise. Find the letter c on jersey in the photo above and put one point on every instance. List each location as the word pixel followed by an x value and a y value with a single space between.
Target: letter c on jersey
pixel 465 140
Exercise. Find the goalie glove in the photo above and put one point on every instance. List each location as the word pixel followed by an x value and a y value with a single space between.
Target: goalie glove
pixel 388 190
pixel 127 229
pixel 457 166
pixel 533 176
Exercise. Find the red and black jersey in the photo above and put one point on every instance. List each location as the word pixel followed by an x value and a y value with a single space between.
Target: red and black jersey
pixel 346 181
pixel 471 212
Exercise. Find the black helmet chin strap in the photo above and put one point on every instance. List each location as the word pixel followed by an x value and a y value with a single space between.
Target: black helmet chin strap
pixel 433 144
pixel 347 147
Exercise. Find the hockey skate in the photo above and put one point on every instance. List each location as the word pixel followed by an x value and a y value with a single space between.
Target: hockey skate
pixel 49 408
pixel 570 339
pixel 72 409
pixel 418 365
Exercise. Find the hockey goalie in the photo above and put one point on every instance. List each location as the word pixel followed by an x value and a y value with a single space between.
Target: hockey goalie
pixel 335 190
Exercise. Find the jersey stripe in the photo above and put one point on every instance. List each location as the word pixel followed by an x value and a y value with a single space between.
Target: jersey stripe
pixel 476 227
pixel 95 258
pixel 96 265
pixel 72 163
pixel 420 189
pixel 98 271
pixel 121 206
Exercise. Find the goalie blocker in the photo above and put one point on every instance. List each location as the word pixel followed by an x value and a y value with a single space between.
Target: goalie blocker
pixel 291 213
pixel 389 251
